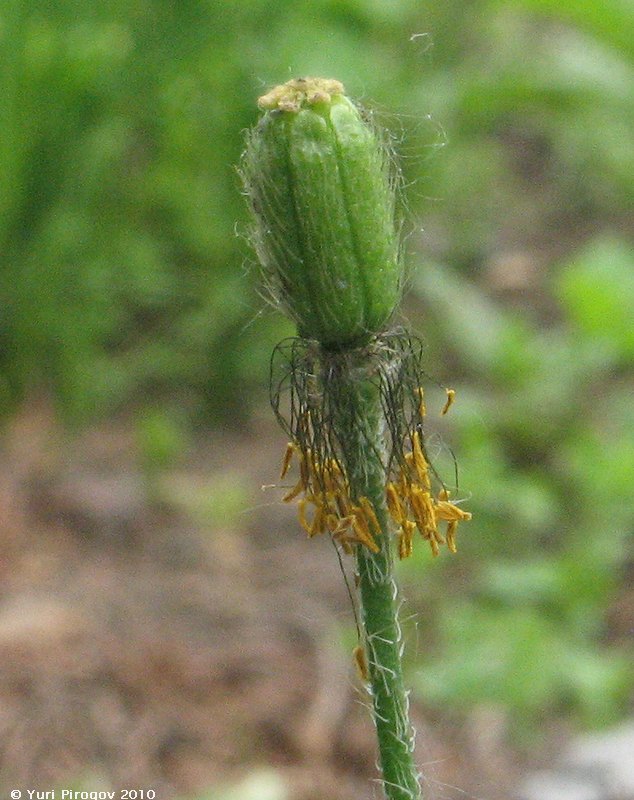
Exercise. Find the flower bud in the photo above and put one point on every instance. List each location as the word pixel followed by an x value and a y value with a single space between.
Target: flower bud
pixel 319 187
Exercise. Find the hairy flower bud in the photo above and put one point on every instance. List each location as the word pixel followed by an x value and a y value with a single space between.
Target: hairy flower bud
pixel 319 186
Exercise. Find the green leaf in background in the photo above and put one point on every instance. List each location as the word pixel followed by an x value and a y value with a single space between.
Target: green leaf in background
pixel 608 20
pixel 596 290
pixel 520 660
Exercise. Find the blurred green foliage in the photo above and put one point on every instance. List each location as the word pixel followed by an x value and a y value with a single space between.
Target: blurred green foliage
pixel 122 278
pixel 546 452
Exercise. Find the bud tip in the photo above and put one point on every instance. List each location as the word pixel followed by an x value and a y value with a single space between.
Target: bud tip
pixel 300 92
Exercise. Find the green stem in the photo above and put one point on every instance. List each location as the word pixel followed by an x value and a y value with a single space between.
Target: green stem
pixel 364 456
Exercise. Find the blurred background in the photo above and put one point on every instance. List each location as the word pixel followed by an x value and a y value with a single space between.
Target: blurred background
pixel 164 624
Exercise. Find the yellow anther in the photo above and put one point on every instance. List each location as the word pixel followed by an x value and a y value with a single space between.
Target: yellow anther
pixel 286 462
pixel 299 487
pixel 301 515
pixel 450 511
pixel 361 662
pixel 332 522
pixel 368 510
pixel 451 396
pixel 394 505
pixel 327 501
pixel 343 534
pixel 329 482
pixel 359 516
pixel 304 474
pixel 417 450
pixel 319 522
pixel 420 462
pixel 313 470
pixel 334 479
pixel 341 525
pixel 347 548
pixel 333 467
pixel 451 536
pixel 406 539
pixel 404 476
pixel 437 535
pixel 404 487
pixel 325 505
pixel 343 503
pixel 421 401
pixel 361 530
pixel 424 513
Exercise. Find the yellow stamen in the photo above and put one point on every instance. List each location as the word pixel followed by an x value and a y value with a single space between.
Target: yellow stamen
pixel 368 510
pixel 437 536
pixel 394 505
pixel 299 487
pixel 311 528
pixel 406 539
pixel 344 541
pixel 450 511
pixel 343 503
pixel 329 482
pixel 451 536
pixel 361 661
pixel 362 531
pixel 335 523
pixel 319 521
pixel 313 470
pixel 340 530
pixel 451 396
pixel 420 462
pixel 423 512
pixel 333 467
pixel 288 455
pixel 304 472
pixel 301 515
pixel 325 505
pixel 421 401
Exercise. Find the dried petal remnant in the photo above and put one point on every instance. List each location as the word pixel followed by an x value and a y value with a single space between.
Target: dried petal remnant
pixel 293 94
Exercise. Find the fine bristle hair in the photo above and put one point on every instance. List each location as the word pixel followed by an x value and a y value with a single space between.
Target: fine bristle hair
pixel 306 395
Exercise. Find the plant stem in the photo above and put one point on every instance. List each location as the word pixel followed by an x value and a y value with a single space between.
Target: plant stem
pixel 364 455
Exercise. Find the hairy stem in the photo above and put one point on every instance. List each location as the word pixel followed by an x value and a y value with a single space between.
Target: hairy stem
pixel 362 440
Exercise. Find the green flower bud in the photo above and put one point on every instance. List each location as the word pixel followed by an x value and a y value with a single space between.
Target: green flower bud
pixel 319 186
